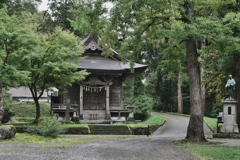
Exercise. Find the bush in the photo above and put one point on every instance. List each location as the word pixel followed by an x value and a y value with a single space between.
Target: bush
pixel 28 109
pixel 75 120
pixel 48 127
pixel 142 106
pixel 68 122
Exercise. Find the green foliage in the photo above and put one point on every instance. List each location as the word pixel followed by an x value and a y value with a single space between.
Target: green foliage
pixel 51 60
pixel 19 6
pixel 81 17
pixel 75 120
pixel 47 127
pixel 142 105
pixel 46 122
pixel 27 109
pixel 14 40
pixel 67 122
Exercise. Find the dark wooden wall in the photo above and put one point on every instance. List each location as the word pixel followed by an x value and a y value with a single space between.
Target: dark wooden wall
pixel 116 94
pixel 72 93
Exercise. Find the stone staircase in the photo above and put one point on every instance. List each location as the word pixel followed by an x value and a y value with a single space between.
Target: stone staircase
pixel 109 129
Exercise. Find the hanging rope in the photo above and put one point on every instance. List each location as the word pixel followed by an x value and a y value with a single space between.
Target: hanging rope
pixel 95 88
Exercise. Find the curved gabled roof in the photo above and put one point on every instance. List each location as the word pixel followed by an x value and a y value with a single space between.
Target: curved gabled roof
pixel 95 61
pixel 101 64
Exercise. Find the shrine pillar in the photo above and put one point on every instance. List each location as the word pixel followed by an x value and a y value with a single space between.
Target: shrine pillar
pixel 81 103
pixel 108 117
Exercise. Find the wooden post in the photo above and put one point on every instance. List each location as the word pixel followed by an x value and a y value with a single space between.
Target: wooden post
pixel 81 103
pixel 107 103
pixel 67 114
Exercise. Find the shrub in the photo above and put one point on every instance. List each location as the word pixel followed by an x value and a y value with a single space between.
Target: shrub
pixel 68 122
pixel 142 106
pixel 75 120
pixel 28 109
pixel 48 127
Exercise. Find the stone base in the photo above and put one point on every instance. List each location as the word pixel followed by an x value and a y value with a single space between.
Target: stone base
pixel 81 116
pixel 108 117
pixel 229 128
pixel 226 135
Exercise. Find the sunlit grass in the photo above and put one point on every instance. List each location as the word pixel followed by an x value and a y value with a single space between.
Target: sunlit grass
pixel 214 152
pixel 64 141
pixel 153 120
pixel 212 122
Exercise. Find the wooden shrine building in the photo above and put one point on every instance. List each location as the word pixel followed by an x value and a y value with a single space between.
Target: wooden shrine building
pixel 99 96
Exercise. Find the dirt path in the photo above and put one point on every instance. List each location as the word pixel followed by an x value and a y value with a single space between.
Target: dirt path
pixel 158 146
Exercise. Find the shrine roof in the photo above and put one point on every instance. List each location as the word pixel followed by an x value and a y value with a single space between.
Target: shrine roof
pixel 100 64
pixel 95 61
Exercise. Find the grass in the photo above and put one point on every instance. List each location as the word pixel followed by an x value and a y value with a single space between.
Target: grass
pixel 212 122
pixel 63 141
pixel 214 152
pixel 151 120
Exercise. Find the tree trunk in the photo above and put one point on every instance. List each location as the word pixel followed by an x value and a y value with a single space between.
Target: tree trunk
pixel 195 130
pixel 170 96
pixel 180 99
pixel 2 103
pixel 203 92
pixel 38 111
pixel 203 88
pixel 237 92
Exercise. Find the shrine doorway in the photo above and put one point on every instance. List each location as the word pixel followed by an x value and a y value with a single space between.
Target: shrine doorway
pixel 94 99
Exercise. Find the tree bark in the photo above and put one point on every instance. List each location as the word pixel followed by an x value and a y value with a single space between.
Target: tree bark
pixel 203 92
pixel 38 111
pixel 237 92
pixel 180 99
pixel 195 130
pixel 203 88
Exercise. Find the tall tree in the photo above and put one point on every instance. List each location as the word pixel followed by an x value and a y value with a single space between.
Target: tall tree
pixel 18 6
pixel 195 130
pixel 79 16
pixel 178 24
pixel 50 59
pixel 14 40
pixel 53 63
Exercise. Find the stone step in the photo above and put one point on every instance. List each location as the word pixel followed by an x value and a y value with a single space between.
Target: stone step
pixel 109 129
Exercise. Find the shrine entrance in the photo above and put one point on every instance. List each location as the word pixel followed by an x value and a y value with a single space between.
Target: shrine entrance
pixel 94 100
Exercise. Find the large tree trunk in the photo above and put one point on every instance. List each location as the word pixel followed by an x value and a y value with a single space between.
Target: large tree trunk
pixel 2 103
pixel 180 99
pixel 38 111
pixel 203 88
pixel 237 92
pixel 195 130
pixel 203 92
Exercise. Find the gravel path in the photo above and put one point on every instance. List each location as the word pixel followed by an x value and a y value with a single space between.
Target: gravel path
pixel 158 146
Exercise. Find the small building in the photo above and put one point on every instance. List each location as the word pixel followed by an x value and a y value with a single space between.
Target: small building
pixel 99 96
pixel 23 94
